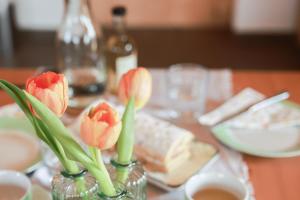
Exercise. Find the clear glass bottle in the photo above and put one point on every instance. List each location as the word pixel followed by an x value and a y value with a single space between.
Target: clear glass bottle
pixel 81 186
pixel 121 50
pixel 79 56
pixel 132 175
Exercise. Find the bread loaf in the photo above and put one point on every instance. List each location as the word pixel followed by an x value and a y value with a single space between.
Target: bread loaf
pixel 160 145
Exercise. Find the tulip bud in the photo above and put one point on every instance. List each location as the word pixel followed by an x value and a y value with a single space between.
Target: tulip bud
pixel 51 89
pixel 136 83
pixel 101 127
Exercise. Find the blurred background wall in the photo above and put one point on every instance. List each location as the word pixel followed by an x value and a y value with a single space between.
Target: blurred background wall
pixel 169 13
pixel 240 34
pixel 242 15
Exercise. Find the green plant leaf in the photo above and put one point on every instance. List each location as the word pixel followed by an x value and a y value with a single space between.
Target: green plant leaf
pixel 43 136
pixel 72 148
pixel 51 130
pixel 126 140
pixel 41 131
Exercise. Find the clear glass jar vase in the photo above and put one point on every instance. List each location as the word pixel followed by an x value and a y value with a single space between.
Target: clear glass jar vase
pixel 132 175
pixel 80 186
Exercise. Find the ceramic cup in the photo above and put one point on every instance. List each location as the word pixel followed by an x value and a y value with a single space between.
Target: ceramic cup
pixel 17 179
pixel 215 180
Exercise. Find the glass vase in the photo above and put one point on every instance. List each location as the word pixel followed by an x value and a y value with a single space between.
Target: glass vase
pixel 80 186
pixel 132 175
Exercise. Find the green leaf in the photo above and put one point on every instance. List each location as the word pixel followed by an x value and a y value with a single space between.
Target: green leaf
pixel 72 148
pixel 20 98
pixel 43 136
pixel 49 122
pixel 126 140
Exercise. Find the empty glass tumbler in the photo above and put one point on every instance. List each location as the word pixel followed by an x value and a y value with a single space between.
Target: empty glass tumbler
pixel 186 90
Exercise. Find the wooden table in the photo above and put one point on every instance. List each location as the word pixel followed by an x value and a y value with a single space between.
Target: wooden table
pixel 273 179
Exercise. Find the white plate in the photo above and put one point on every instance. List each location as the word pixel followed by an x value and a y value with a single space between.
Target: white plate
pixel 274 143
pixel 283 142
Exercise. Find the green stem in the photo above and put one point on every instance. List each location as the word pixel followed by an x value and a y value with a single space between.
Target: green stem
pixel 105 182
pixel 71 167
pixel 126 140
pixel 80 183
pixel 97 158
pixel 122 174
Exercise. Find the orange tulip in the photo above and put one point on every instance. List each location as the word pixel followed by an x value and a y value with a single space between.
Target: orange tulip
pixel 136 83
pixel 51 89
pixel 101 127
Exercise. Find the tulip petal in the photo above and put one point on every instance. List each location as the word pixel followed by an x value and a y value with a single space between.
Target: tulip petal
pixel 51 100
pixel 110 137
pixel 136 83
pixel 101 127
pixel 60 89
pixel 51 89
pixel 91 131
pixel 47 79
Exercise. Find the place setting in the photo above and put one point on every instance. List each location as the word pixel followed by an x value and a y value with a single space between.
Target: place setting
pixel 165 155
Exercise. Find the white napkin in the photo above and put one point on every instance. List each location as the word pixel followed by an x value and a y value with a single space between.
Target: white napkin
pixel 237 103
pixel 272 117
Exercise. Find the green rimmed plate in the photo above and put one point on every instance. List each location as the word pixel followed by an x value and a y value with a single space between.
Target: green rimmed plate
pixel 19 148
pixel 277 143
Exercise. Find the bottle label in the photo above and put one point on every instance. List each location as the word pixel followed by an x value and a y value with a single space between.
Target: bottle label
pixel 124 64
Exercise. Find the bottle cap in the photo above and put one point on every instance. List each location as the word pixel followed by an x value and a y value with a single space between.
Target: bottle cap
pixel 119 10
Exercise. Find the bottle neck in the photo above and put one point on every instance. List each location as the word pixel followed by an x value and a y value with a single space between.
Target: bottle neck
pixel 77 22
pixel 119 24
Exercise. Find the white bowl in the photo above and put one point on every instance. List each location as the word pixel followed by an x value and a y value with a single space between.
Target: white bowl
pixel 216 180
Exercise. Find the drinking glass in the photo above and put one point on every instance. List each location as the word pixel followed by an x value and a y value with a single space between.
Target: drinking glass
pixel 186 90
